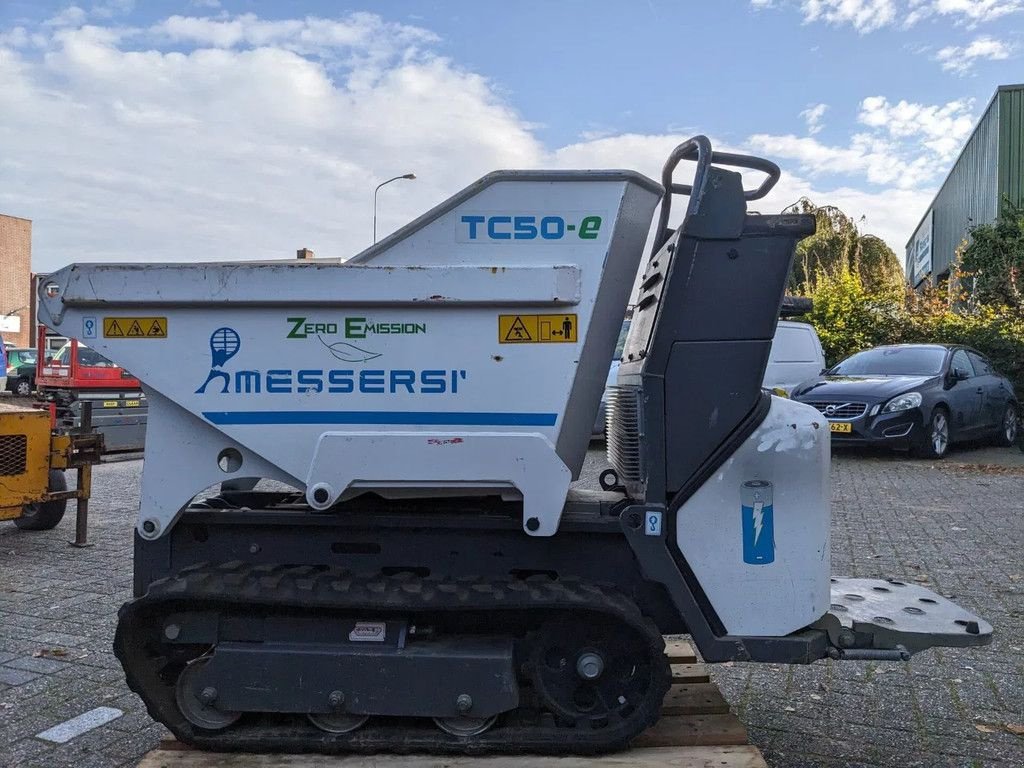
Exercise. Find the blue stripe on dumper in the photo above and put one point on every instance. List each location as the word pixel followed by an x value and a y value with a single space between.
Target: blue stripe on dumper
pixel 416 418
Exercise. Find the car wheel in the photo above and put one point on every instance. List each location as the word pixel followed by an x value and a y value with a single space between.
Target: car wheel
pixel 934 441
pixel 1009 427
pixel 43 517
pixel 23 388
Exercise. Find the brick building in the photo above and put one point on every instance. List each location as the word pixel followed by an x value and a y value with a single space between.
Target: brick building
pixel 15 280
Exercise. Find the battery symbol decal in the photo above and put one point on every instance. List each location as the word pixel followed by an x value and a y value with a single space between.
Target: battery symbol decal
pixel 758 522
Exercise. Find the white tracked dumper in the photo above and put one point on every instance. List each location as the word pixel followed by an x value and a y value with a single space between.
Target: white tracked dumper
pixel 432 584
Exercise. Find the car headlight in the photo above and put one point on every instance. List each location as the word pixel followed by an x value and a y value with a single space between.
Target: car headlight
pixel 903 402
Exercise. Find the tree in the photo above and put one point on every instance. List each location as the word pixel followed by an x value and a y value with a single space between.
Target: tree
pixel 878 267
pixel 861 300
pixel 849 318
pixel 992 263
pixel 838 245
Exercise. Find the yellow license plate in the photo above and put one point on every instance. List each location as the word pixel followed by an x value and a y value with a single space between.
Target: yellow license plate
pixel 131 403
pixel 840 426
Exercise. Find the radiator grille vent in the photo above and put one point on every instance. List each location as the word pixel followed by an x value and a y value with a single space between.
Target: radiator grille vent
pixel 839 410
pixel 623 432
pixel 13 450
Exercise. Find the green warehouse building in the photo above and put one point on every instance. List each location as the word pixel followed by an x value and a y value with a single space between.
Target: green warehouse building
pixel 989 168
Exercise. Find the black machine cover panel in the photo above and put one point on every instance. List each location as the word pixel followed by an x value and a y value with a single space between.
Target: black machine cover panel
pixel 709 388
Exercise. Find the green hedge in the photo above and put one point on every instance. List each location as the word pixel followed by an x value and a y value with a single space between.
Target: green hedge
pixel 996 332
pixel 849 319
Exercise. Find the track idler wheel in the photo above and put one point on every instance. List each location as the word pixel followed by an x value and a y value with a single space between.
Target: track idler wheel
pixel 337 722
pixel 198 704
pixel 594 673
pixel 465 726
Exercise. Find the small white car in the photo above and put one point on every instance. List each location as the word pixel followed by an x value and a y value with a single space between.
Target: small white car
pixel 796 356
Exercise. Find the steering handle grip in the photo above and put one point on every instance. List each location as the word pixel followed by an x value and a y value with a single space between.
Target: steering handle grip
pixel 699 148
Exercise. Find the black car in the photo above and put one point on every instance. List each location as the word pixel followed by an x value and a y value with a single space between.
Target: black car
pixel 21 371
pixel 918 396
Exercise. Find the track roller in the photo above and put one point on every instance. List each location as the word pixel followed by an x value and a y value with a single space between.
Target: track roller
pixel 337 722
pixel 198 706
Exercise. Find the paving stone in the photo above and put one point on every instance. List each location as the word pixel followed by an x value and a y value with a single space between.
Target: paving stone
pixel 892 517
pixel 41 665
pixel 26 753
pixel 136 744
pixel 16 676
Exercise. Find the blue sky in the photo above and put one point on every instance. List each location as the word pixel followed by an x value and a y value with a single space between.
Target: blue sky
pixel 204 129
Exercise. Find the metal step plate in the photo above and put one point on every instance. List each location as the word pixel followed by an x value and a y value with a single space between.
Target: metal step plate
pixel 885 614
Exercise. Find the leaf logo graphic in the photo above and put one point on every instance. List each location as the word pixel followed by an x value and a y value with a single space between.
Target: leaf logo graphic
pixel 350 353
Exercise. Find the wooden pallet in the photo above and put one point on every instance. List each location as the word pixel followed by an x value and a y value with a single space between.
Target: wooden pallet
pixel 696 730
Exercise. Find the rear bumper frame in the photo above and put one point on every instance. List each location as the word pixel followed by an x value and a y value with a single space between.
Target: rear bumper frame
pixel 882 620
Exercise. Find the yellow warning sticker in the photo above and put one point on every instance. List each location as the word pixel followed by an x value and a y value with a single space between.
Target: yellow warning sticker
pixel 132 403
pixel 135 327
pixel 537 329
pixel 110 403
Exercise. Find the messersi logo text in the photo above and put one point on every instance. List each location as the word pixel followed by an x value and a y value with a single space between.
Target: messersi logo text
pixel 349 328
pixel 225 343
pixel 527 226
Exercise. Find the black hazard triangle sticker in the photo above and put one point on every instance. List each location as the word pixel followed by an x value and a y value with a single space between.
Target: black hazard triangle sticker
pixel 157 330
pixel 135 330
pixel 517 331
pixel 114 329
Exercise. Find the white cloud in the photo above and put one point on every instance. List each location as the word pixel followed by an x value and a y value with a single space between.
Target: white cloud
pixel 72 16
pixel 977 11
pixel 961 59
pixel 878 161
pixel 17 37
pixel 243 152
pixel 941 128
pixel 905 145
pixel 870 15
pixel 813 116
pixel 110 8
pixel 890 213
pixel 249 138
pixel 363 31
pixel 863 15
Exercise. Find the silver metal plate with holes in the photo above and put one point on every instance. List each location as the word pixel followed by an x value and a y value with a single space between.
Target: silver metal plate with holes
pixel 884 614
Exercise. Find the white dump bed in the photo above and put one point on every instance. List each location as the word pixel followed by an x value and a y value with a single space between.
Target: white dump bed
pixel 467 351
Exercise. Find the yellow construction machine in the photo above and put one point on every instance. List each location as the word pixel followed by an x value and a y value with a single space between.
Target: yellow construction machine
pixel 33 457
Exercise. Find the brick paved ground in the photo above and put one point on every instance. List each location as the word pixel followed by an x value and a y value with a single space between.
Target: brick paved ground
pixel 956 529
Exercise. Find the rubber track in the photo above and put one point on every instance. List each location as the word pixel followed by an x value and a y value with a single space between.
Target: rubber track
pixel 270 587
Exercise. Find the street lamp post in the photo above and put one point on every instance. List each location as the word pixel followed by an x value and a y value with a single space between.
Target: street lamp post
pixel 409 176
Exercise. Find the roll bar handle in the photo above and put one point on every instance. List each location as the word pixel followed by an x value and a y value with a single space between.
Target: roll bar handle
pixel 699 148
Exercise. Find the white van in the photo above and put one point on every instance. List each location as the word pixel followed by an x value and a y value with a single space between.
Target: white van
pixel 796 356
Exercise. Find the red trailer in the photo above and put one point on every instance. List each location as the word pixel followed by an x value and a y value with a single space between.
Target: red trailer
pixel 77 374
